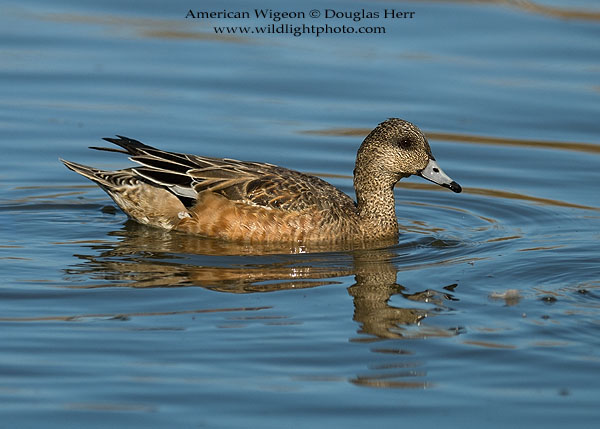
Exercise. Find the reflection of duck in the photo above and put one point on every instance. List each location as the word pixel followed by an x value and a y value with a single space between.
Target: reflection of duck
pixel 384 310
pixel 249 201
pixel 375 285
pixel 149 258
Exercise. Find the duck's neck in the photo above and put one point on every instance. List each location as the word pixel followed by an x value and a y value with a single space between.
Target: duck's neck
pixel 375 201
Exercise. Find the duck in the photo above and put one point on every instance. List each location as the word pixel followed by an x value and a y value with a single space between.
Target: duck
pixel 247 201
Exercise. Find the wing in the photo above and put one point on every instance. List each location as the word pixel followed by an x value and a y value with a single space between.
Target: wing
pixel 252 183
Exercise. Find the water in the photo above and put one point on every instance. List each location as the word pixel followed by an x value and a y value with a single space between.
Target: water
pixel 486 311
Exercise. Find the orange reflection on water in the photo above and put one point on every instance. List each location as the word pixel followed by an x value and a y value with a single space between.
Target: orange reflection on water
pixel 473 139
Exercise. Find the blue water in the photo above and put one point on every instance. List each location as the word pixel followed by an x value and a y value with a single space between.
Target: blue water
pixel 486 313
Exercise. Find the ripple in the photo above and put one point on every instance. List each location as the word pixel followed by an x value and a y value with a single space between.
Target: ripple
pixel 123 316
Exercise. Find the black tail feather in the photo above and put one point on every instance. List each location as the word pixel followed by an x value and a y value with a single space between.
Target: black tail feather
pixel 109 149
pixel 131 146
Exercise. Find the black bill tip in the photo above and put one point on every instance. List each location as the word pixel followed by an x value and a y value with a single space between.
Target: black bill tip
pixel 453 186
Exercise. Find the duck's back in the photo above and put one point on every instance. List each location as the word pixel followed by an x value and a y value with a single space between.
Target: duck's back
pixel 253 183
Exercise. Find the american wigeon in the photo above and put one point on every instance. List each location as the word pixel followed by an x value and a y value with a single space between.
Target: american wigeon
pixel 258 202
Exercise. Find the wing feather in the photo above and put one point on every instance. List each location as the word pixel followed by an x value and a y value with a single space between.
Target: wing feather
pixel 253 183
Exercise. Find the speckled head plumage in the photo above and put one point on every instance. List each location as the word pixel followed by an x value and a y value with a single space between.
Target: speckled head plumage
pixel 397 147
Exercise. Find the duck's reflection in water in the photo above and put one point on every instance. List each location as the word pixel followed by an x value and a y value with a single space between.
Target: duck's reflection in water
pixel 376 283
pixel 144 257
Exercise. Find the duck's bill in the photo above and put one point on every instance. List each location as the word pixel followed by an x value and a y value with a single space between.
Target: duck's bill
pixel 435 174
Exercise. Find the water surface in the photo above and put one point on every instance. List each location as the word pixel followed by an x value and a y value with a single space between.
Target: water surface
pixel 485 312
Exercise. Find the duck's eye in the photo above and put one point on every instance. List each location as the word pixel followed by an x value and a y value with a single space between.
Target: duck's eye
pixel 405 143
pixel 436 170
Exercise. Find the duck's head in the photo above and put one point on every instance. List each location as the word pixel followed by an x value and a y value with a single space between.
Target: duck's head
pixel 397 149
